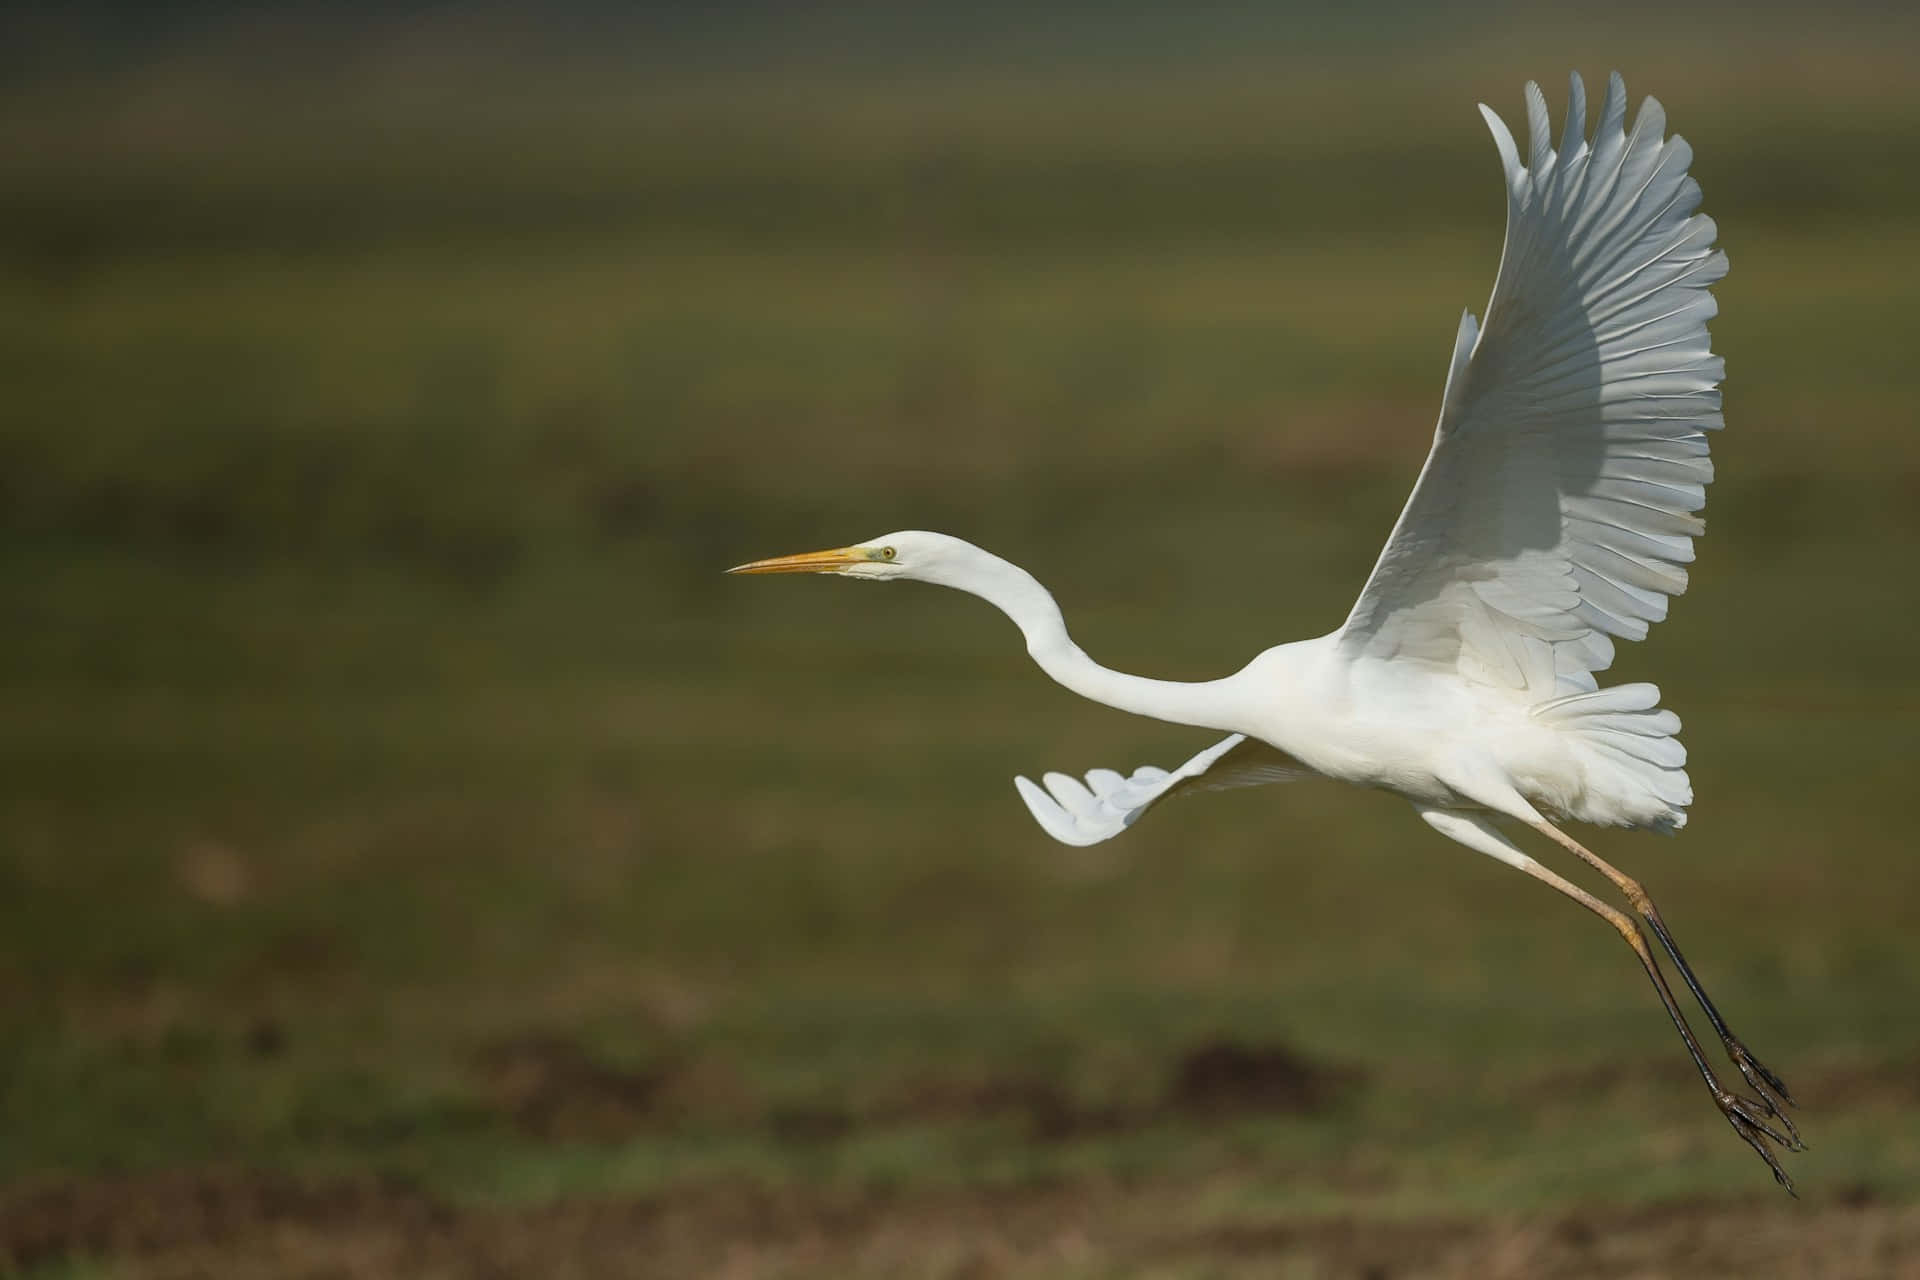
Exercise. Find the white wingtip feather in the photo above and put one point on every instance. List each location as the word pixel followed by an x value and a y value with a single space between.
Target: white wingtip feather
pixel 1613 109
pixel 1650 123
pixel 1574 136
pixel 1071 794
pixel 1053 819
pixel 1107 803
pixel 1540 138
pixel 1503 140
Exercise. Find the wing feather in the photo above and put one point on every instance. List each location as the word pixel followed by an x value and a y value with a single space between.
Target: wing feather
pixel 1556 509
pixel 1109 802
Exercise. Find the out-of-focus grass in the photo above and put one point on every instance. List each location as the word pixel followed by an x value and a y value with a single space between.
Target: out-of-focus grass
pixel 373 699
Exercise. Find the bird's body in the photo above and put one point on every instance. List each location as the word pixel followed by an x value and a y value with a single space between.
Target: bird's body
pixel 1430 739
pixel 1348 716
pixel 1555 513
pixel 1439 742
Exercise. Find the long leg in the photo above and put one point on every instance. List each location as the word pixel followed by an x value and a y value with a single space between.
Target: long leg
pixel 1745 1115
pixel 1757 1076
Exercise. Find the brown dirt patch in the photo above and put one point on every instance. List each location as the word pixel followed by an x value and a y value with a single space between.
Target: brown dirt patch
pixel 245 1225
pixel 209 1211
pixel 1210 1082
pixel 1226 1076
pixel 1842 1238
pixel 554 1090
pixel 1045 1111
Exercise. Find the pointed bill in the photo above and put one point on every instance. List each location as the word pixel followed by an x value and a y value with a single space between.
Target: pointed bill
pixel 832 561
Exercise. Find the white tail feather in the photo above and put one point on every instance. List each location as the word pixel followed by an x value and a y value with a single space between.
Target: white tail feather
pixel 1629 748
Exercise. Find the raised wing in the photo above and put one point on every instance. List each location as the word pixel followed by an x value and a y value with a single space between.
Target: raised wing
pixel 1106 804
pixel 1555 511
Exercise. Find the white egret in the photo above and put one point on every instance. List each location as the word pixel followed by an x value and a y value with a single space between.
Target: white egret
pixel 1555 514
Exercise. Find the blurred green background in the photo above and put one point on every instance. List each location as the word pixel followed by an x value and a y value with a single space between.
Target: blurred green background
pixel 416 858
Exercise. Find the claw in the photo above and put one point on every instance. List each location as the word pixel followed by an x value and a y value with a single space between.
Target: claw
pixel 1751 1134
pixel 1765 1099
pixel 1751 1066
pixel 1792 1141
pixel 1765 1085
pixel 1749 1111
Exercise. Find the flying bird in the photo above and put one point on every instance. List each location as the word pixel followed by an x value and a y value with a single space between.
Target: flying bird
pixel 1555 515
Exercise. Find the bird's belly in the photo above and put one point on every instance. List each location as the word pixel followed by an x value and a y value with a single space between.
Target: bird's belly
pixel 1422 744
pixel 1370 754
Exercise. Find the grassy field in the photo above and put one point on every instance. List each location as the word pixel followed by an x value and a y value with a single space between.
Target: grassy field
pixel 417 858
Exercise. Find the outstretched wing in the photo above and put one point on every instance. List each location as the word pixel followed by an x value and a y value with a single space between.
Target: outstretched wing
pixel 1555 511
pixel 1106 804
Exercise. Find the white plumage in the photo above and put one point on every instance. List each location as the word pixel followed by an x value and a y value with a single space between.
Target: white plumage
pixel 1108 803
pixel 1555 510
pixel 1555 513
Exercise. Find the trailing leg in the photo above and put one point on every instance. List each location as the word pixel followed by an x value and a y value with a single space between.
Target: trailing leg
pixel 1748 1117
pixel 1758 1077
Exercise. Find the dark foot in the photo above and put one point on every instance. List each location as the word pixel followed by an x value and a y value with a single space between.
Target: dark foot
pixel 1767 1086
pixel 1749 1120
pixel 1756 1072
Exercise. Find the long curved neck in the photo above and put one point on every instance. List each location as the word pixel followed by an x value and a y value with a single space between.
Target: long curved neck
pixel 1208 704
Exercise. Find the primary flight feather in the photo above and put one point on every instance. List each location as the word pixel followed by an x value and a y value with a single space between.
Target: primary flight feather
pixel 1555 513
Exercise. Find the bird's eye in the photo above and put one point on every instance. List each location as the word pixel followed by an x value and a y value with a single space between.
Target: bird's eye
pixel 887 553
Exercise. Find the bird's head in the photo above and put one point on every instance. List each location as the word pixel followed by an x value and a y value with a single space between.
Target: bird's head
pixel 912 553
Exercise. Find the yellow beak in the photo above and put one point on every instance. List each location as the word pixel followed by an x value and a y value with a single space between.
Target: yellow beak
pixel 808 562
